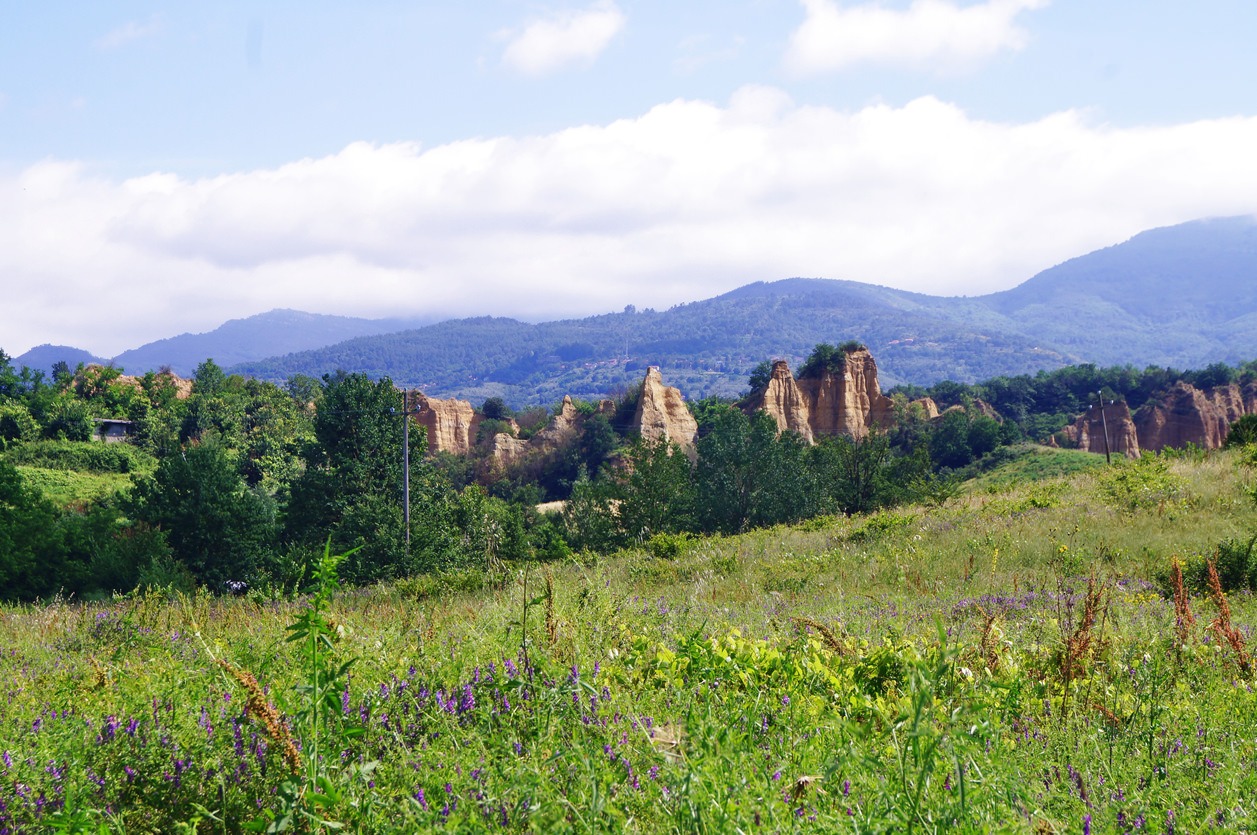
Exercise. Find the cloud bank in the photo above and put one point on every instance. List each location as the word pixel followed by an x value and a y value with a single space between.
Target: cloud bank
pixel 565 39
pixel 930 34
pixel 688 200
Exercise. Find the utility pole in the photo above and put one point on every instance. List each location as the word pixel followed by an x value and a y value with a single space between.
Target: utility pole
pixel 406 462
pixel 1105 421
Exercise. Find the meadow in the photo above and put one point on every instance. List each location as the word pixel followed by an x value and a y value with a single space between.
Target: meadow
pixel 1042 652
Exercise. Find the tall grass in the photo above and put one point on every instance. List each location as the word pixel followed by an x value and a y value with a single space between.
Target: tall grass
pixel 1003 662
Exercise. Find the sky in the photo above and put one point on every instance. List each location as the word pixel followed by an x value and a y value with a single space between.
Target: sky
pixel 166 167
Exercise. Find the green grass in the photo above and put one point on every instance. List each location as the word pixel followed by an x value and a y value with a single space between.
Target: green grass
pixel 1031 462
pixel 907 671
pixel 73 488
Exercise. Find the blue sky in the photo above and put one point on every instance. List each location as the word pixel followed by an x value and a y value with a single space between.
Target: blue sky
pixel 165 167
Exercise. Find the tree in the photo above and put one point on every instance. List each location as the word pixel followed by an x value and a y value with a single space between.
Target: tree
pixel 215 526
pixel 16 424
pixel 1242 432
pixel 495 408
pixel 760 377
pixel 31 556
pixel 216 406
pixel 747 476
pixel 655 491
pixel 351 488
pixel 949 442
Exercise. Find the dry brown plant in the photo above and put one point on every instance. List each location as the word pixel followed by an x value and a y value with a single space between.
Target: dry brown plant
pixel 1078 645
pixel 1222 623
pixel 1184 620
pixel 1109 716
pixel 987 646
pixel 264 712
pixel 830 639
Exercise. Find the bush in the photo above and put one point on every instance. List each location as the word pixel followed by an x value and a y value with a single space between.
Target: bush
pixel 1242 433
pixel 82 456
pixel 668 546
pixel 16 424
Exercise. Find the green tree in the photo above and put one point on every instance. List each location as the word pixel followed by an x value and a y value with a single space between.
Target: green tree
pixel 215 406
pixel 655 491
pixel 16 423
pixel 761 375
pixel 215 526
pixel 31 552
pixel 949 442
pixel 1242 432
pixel 747 476
pixel 588 518
pixel 854 475
pixel 351 488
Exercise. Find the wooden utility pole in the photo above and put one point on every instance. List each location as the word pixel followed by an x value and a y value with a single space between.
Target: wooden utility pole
pixel 406 462
pixel 1108 459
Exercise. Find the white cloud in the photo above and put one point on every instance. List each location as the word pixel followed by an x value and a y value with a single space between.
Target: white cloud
pixel 936 35
pixel 688 200
pixel 128 32
pixel 563 39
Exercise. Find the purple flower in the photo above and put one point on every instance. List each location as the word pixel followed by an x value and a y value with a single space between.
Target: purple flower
pixel 1086 824
pixel 423 801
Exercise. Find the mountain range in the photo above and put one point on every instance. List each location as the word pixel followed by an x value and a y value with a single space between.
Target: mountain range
pixel 1183 296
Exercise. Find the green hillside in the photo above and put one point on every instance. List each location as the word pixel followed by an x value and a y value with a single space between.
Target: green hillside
pixel 1012 660
pixel 1181 297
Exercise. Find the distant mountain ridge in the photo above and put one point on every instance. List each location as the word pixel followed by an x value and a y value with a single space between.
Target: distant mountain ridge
pixel 274 333
pixel 1181 296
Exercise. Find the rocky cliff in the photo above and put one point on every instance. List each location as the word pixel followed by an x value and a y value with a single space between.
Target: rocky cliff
pixel 1088 431
pixel 847 400
pixel 783 400
pixel 1186 414
pixel 662 413
pixel 452 424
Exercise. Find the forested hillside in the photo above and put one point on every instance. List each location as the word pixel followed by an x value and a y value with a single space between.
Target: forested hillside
pixel 233 483
pixel 1182 297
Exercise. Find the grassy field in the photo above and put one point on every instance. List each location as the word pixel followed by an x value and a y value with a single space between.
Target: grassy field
pixel 1013 659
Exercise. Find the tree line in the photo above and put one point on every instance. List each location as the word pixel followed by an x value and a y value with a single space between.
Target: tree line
pixel 234 484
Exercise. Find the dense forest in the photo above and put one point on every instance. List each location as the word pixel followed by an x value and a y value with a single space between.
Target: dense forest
pixel 234 484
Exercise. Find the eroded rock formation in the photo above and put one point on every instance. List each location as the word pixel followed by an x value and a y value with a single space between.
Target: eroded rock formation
pixel 848 401
pixel 452 424
pixel 783 400
pixel 1187 415
pixel 662 413
pixel 1088 431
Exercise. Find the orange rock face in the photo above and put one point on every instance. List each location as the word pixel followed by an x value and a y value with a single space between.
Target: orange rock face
pixel 452 424
pixel 1185 414
pixel 1088 431
pixel 849 402
pixel 662 413
pixel 783 400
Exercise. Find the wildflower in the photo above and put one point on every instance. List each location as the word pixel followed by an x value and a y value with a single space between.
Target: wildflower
pixel 419 797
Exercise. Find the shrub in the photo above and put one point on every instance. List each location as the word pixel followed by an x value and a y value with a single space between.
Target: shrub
pixel 1242 433
pixel 82 456
pixel 668 546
